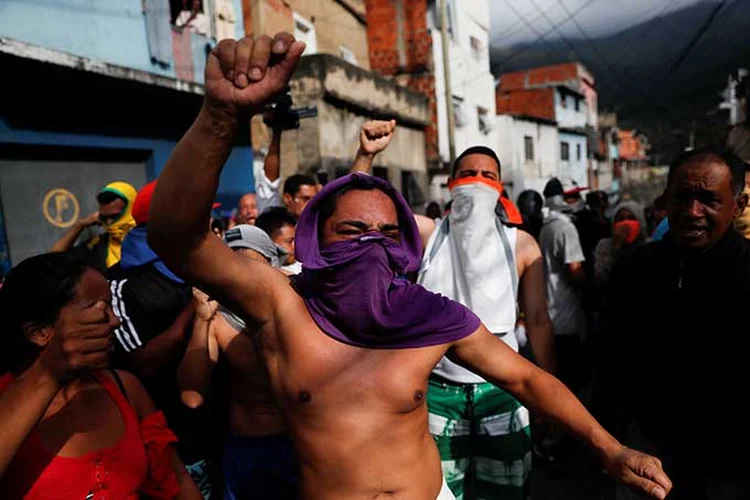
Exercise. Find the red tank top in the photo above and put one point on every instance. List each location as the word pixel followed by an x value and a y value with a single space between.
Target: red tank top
pixel 112 473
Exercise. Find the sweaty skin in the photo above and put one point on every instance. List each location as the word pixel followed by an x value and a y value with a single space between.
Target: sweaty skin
pixel 357 416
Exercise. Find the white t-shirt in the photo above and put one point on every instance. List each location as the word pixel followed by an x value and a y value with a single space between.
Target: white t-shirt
pixel 561 246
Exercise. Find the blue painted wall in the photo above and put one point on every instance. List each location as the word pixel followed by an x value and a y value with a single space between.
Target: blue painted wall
pixel 112 31
pixel 236 178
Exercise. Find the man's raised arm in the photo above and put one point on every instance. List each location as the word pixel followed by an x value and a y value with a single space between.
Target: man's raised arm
pixel 374 137
pixel 241 77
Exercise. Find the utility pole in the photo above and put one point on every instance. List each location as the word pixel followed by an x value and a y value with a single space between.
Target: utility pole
pixel 447 74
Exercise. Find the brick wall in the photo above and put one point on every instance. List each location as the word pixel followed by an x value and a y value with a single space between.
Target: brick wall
pixel 537 77
pixel 539 103
pixel 400 46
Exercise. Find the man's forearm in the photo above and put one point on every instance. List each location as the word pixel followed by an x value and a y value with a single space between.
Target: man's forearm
pixel 68 239
pixel 21 406
pixel 272 163
pixel 363 162
pixel 187 186
pixel 194 372
pixel 546 395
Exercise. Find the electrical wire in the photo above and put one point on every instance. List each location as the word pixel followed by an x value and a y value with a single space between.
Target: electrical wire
pixel 526 47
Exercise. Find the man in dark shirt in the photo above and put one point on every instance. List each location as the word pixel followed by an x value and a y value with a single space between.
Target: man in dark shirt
pixel 156 311
pixel 677 325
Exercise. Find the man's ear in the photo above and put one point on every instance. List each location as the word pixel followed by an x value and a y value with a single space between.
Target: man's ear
pixel 38 335
pixel 740 204
pixel 288 199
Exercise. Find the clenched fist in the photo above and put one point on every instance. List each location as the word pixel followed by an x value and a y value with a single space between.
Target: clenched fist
pixel 242 76
pixel 376 135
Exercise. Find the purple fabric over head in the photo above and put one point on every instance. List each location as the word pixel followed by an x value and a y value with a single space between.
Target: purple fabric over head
pixel 352 288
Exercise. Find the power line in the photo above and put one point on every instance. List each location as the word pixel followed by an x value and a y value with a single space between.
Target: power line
pixel 542 37
pixel 547 33
pixel 595 47
pixel 516 28
pixel 686 51
pixel 650 27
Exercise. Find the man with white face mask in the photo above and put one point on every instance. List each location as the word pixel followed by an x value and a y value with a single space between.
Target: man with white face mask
pixel 477 257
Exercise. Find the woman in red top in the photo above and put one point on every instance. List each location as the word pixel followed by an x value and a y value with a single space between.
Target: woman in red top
pixel 69 429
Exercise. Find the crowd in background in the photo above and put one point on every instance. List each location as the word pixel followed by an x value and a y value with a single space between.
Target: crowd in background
pixel 637 310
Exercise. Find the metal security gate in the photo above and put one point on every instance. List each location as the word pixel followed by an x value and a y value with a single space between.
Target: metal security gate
pixel 43 197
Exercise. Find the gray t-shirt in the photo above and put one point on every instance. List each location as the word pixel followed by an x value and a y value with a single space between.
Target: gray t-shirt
pixel 561 246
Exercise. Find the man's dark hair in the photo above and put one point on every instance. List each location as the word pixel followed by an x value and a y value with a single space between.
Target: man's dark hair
pixel 293 184
pixel 475 150
pixel 34 292
pixel 597 199
pixel 433 210
pixel 736 166
pixel 530 204
pixel 272 220
pixel 553 188
pixel 107 197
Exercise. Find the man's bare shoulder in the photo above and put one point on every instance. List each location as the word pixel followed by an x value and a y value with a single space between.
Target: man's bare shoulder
pixel 527 250
pixel 426 228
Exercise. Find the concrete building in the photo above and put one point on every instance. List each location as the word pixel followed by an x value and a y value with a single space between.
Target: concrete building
pixel 96 92
pixel 633 148
pixel 406 44
pixel 334 75
pixel 528 148
pixel 566 94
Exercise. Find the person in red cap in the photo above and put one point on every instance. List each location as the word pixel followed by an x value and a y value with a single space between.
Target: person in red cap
pixel 156 311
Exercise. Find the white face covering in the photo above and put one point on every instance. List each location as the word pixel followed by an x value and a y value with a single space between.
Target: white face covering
pixel 473 202
pixel 471 266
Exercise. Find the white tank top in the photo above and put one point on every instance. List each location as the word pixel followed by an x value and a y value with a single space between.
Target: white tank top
pixel 475 266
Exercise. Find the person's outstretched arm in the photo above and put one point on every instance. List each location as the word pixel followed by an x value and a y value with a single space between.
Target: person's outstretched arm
pixel 241 77
pixel 374 137
pixel 491 358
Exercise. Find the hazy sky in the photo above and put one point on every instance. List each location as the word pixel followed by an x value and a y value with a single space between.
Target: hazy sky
pixel 599 17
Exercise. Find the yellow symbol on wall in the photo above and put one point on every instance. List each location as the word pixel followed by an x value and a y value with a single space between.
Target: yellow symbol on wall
pixel 61 208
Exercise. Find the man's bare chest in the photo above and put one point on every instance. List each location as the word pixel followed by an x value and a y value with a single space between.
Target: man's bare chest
pixel 310 370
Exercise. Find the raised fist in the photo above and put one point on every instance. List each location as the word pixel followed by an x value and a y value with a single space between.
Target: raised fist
pixel 242 76
pixel 376 135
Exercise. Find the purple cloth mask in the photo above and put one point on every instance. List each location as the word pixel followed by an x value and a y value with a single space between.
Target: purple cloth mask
pixel 352 290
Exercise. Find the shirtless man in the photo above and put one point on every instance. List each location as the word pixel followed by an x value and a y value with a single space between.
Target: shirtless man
pixel 258 457
pixel 353 400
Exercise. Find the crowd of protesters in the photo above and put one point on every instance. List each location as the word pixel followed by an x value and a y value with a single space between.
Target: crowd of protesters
pixel 326 342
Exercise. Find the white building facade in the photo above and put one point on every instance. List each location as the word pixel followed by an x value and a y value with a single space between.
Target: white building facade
pixel 472 83
pixel 528 151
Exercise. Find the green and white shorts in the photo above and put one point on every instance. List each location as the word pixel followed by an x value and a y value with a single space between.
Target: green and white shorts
pixel 484 438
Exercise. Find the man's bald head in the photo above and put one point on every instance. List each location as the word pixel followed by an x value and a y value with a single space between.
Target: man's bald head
pixel 247 209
